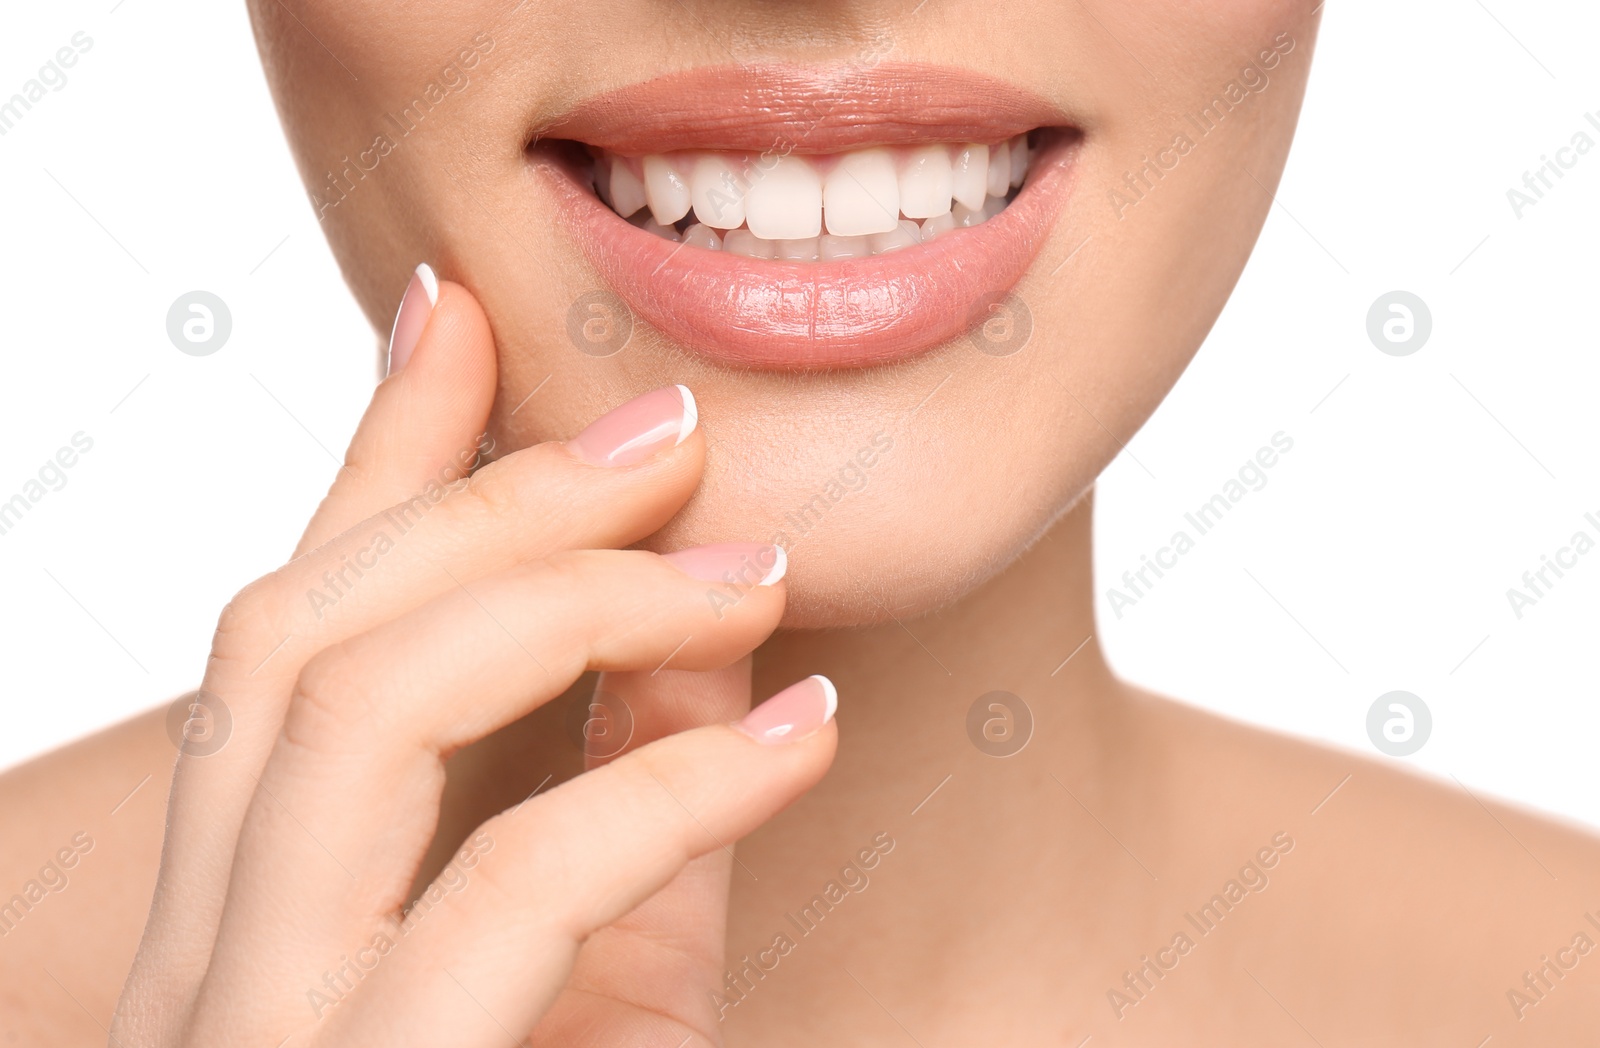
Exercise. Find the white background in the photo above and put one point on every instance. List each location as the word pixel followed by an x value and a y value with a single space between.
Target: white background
pixel 1377 557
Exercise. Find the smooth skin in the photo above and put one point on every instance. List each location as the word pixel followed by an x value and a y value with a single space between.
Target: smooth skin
pixel 299 841
pixel 1019 891
pixel 386 753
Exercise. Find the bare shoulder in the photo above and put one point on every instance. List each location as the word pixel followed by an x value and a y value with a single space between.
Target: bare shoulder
pixel 1442 911
pixel 82 827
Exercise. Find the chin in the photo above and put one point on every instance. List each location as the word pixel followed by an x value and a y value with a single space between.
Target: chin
pixel 891 502
pixel 925 284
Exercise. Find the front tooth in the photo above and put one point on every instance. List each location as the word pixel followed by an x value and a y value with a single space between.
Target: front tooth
pixel 1019 159
pixel 925 188
pixel 714 185
pixel 861 195
pixel 699 235
pixel 627 192
pixel 648 223
pixel 969 176
pixel 665 190
pixel 999 169
pixel 833 248
pixel 993 206
pixel 743 242
pixel 806 249
pixel 906 234
pixel 785 201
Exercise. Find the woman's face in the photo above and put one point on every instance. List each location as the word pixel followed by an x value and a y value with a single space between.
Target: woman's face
pixel 906 367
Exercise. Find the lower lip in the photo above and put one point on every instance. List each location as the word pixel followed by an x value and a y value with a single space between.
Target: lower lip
pixel 796 316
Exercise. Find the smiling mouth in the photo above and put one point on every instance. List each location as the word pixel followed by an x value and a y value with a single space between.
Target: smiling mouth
pixel 822 208
pixel 794 219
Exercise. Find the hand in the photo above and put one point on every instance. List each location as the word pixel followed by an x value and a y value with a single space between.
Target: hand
pixel 423 610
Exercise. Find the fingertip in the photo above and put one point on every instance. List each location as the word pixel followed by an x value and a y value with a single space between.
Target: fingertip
pixel 429 281
pixel 453 362
pixel 411 317
pixel 830 695
pixel 797 712
pixel 441 327
pixel 691 413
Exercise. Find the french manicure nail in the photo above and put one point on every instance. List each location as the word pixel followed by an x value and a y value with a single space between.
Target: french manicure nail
pixel 658 420
pixel 422 294
pixel 736 563
pixel 794 713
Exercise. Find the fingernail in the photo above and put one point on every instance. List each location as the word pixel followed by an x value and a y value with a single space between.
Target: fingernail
pixel 795 712
pixel 738 563
pixel 638 429
pixel 422 294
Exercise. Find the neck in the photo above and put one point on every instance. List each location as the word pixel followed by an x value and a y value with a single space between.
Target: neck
pixel 933 711
pixel 907 686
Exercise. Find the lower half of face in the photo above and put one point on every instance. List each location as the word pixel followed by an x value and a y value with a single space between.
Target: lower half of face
pixel 925 267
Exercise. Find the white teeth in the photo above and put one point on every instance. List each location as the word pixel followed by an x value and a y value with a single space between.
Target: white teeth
pixel 665 190
pixel 833 248
pixel 698 235
pixel 717 189
pixel 861 195
pixel 933 227
pixel 743 242
pixel 999 181
pixel 807 209
pixel 969 176
pixel 803 250
pixel 647 222
pixel 906 234
pixel 964 216
pixel 627 192
pixel 785 201
pixel 925 182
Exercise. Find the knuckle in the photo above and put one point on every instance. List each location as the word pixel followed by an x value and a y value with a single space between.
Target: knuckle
pixel 411 511
pixel 332 705
pixel 254 622
pixel 516 483
pixel 491 490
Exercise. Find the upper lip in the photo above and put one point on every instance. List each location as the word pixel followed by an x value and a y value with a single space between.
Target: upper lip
pixel 793 315
pixel 795 109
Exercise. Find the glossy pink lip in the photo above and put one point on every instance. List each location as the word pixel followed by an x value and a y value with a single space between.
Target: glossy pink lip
pixel 796 316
